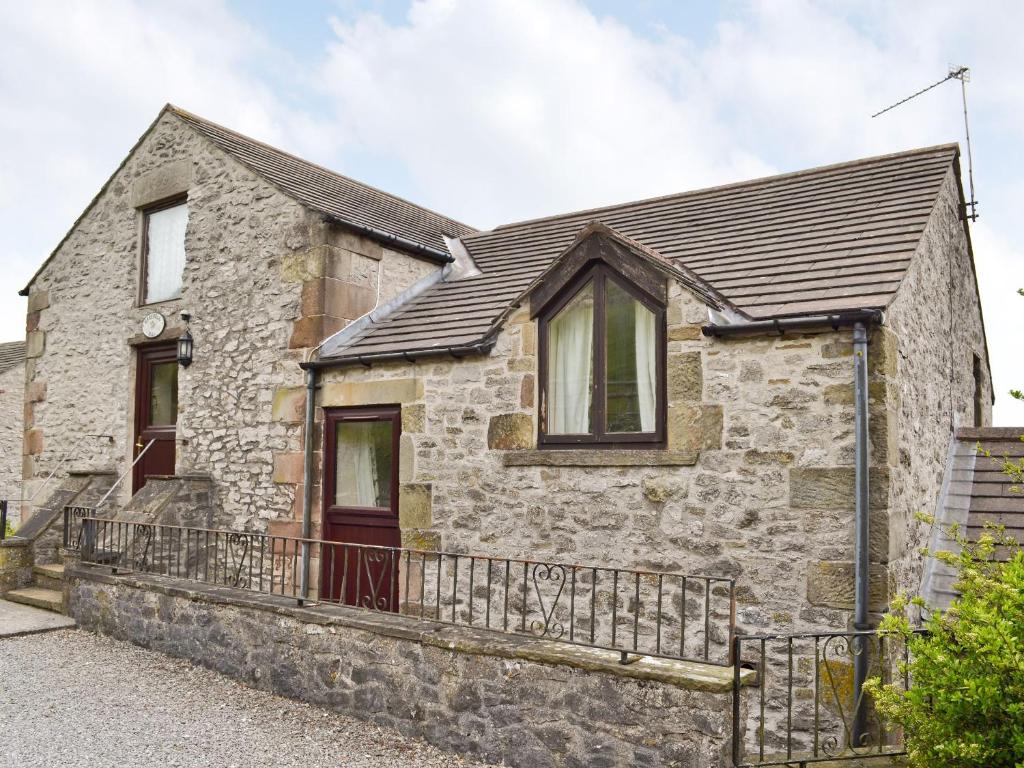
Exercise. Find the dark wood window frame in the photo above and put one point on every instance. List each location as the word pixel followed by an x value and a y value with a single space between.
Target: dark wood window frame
pixel 335 416
pixel 162 205
pixel 600 273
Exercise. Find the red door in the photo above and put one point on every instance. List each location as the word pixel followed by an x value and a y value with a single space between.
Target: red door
pixel 361 507
pixel 156 412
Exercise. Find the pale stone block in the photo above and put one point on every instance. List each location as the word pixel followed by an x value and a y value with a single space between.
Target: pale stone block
pixel 289 405
pixel 170 179
pixel 833 487
pixel 384 392
pixel 529 335
pixel 33 445
pixel 406 459
pixel 510 432
pixel 415 505
pixel 695 427
pixel 831 584
pixel 414 417
pixel 304 265
pixel 684 333
pixel 38 300
pixel 288 467
pixel 685 377
pixel 35 343
pixel 344 299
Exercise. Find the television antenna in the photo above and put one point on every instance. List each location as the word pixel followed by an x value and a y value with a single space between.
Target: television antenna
pixel 963 74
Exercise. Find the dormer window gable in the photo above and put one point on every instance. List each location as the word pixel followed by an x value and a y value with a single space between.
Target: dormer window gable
pixel 600 315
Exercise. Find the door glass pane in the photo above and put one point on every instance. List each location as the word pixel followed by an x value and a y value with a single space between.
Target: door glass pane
pixel 571 366
pixel 631 362
pixel 163 394
pixel 363 464
pixel 165 252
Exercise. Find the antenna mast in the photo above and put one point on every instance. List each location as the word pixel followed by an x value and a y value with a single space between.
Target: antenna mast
pixel 963 74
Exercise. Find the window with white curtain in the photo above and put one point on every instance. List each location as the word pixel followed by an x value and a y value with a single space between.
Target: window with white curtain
pixel 602 364
pixel 164 253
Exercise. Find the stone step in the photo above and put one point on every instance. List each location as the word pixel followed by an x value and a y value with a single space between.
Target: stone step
pixel 50 599
pixel 49 576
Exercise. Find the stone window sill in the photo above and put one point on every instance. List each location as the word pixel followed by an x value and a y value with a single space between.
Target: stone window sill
pixel 600 458
pixel 690 675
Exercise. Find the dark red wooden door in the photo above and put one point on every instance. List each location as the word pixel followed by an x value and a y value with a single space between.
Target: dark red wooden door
pixel 156 412
pixel 361 507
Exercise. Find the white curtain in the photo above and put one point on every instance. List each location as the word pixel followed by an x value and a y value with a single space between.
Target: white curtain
pixel 570 366
pixel 646 366
pixel 356 476
pixel 165 254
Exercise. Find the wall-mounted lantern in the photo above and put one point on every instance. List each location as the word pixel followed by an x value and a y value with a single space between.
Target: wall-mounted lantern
pixel 185 343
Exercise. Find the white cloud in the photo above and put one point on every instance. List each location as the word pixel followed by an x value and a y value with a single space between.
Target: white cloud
pixel 503 110
pixel 80 82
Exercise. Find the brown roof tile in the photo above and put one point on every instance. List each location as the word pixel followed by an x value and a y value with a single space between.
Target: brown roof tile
pixel 12 354
pixel 828 239
pixel 993 499
pixel 331 193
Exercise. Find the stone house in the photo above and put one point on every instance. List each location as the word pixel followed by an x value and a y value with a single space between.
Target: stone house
pixel 735 380
pixel 12 400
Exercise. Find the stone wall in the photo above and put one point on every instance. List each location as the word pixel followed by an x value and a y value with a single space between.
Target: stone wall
pixel 756 481
pixel 15 564
pixel 265 279
pixel 474 693
pixel 937 323
pixel 12 403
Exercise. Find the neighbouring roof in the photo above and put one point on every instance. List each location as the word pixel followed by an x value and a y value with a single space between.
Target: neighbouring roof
pixel 828 239
pixel 331 193
pixel 12 354
pixel 992 497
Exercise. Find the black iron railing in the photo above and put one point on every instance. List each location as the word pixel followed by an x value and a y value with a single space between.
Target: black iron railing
pixel 3 519
pixel 802 709
pixel 636 613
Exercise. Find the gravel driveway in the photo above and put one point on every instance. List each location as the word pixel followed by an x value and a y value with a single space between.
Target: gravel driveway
pixel 71 699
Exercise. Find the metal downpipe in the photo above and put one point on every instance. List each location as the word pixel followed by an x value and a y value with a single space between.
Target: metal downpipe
pixel 861 556
pixel 307 478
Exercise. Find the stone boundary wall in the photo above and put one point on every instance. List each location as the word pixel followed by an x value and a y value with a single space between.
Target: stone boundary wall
pixel 498 697
pixel 15 564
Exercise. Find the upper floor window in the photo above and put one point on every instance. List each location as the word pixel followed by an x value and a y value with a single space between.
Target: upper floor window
pixel 602 364
pixel 163 256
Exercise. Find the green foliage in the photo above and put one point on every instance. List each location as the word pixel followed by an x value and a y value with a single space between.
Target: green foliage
pixel 10 529
pixel 965 705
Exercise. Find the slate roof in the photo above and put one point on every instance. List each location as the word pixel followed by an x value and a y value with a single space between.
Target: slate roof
pixel 12 354
pixel 992 499
pixel 824 240
pixel 329 192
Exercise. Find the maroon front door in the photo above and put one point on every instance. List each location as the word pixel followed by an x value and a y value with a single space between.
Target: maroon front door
pixel 361 507
pixel 156 412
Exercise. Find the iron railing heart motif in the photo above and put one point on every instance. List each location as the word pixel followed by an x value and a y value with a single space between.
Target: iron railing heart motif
pixel 545 626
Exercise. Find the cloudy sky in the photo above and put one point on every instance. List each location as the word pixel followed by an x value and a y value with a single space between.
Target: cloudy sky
pixel 496 111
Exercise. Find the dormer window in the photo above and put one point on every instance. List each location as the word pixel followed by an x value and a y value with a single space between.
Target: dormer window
pixel 163 250
pixel 602 364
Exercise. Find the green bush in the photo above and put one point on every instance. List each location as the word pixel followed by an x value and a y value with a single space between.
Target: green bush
pixel 965 705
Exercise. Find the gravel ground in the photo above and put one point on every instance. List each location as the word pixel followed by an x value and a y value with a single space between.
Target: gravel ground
pixel 72 699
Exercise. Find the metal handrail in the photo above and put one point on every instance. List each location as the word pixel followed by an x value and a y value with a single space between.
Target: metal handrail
pixel 64 457
pixel 632 612
pixel 124 474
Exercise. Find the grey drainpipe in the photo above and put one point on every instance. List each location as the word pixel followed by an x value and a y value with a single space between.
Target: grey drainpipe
pixel 859 320
pixel 307 477
pixel 861 562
